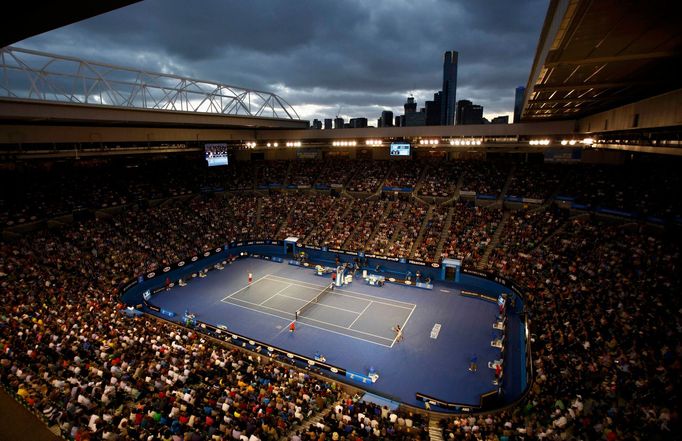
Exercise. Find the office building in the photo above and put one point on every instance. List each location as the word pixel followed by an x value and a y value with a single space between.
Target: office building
pixel 398 121
pixel 518 103
pixel 410 106
pixel 449 91
pixel 317 124
pixel 416 118
pixel 500 120
pixel 338 122
pixel 327 123
pixel 358 123
pixel 386 118
pixel 433 109
pixel 469 113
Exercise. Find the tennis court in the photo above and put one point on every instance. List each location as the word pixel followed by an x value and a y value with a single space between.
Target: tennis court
pixel 340 311
pixel 352 326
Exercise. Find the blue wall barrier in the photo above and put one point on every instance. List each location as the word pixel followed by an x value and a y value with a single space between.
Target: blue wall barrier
pixel 400 189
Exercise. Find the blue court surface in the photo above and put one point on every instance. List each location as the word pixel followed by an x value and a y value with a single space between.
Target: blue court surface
pixel 353 326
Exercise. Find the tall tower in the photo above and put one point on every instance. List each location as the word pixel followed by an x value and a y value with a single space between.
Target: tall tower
pixel 518 103
pixel 410 106
pixel 449 97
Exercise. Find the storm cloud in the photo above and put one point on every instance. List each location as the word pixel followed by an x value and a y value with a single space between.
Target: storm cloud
pixel 350 57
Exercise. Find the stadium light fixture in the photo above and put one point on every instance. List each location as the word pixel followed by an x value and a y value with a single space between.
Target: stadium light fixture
pixel 344 143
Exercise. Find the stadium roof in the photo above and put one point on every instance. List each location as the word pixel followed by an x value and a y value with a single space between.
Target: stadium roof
pixel 594 55
pixel 33 19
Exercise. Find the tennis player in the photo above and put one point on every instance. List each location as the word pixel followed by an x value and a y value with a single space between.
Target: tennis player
pixel 399 333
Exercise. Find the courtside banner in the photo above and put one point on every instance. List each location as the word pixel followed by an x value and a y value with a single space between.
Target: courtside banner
pixel 240 340
pixel 180 264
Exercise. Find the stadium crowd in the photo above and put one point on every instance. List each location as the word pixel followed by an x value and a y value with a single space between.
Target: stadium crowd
pixel 601 298
pixel 471 228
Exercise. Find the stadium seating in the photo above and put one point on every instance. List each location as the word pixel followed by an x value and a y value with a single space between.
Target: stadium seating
pixel 602 295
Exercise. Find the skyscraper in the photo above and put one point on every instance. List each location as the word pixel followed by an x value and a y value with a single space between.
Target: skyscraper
pixel 433 108
pixel 518 103
pixel 449 96
pixel 410 106
pixel 338 122
pixel 358 123
pixel 327 123
pixel 386 118
pixel 469 113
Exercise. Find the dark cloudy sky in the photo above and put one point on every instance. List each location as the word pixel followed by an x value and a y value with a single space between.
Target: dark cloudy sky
pixel 356 57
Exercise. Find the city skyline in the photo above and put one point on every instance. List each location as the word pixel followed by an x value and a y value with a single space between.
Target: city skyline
pixel 350 59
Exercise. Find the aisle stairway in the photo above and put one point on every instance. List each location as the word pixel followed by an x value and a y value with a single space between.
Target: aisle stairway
pixel 259 209
pixel 483 262
pixel 446 228
pixel 312 420
pixel 455 195
pixel 507 183
pixel 422 230
pixel 435 432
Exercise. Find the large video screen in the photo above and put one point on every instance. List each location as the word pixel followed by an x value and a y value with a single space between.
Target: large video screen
pixel 400 149
pixel 216 154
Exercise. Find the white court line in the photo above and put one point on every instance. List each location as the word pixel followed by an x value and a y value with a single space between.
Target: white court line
pixel 308 318
pixel 404 324
pixel 327 306
pixel 342 327
pixel 308 324
pixel 444 290
pixel 262 306
pixel 242 289
pixel 275 295
pixel 360 315
pixel 288 319
pixel 267 276
pixel 342 291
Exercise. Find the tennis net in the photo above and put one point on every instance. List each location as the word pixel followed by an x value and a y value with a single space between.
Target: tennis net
pixel 313 301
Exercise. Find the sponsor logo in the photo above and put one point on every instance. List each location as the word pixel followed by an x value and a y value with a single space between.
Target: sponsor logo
pixel 150 275
pixel 207 253
pixel 290 355
pixel 217 250
pixel 166 269
pixel 271 349
pixel 416 262
pixel 311 363
pixel 194 259
pixel 181 263
pixel 334 370
pixel 435 265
